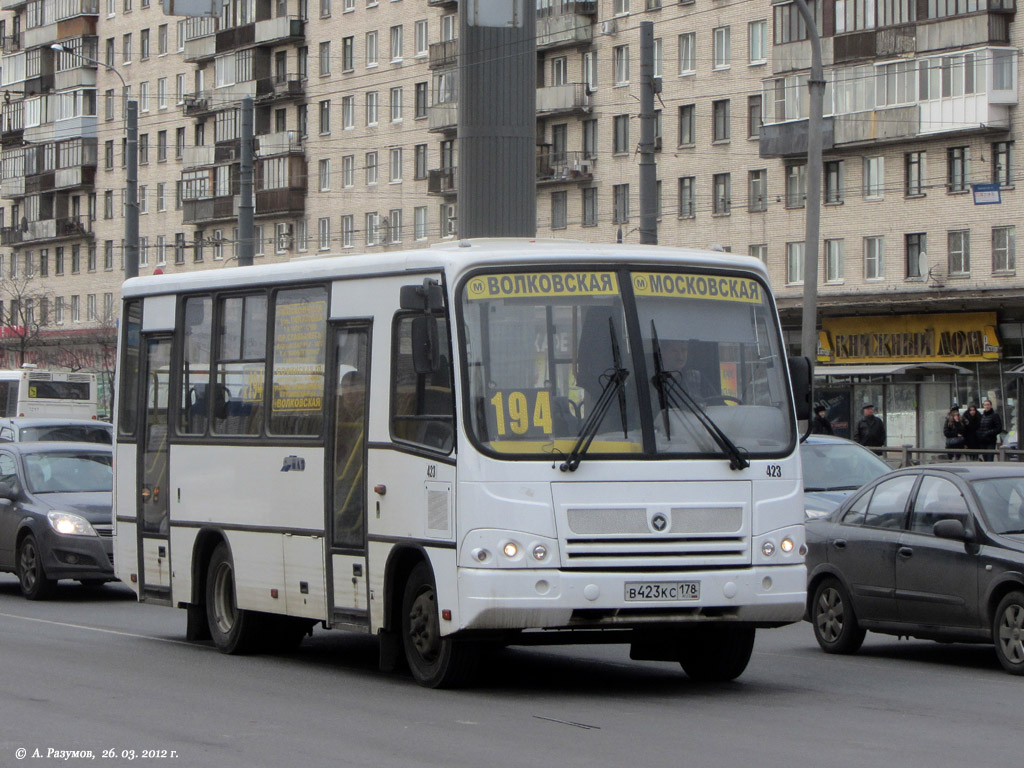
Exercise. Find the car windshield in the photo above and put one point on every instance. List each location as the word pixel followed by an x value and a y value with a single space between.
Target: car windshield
pixel 67 433
pixel 59 472
pixel 839 466
pixel 1002 503
pixel 546 351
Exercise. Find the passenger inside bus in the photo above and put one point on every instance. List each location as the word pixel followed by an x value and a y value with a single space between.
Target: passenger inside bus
pixel 676 359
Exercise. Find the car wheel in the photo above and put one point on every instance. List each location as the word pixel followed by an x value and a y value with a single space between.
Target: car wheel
pixel 716 654
pixel 835 624
pixel 435 661
pixel 31 576
pixel 233 630
pixel 1008 633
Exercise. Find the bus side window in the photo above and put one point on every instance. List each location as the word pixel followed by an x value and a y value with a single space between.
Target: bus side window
pixel 422 405
pixel 5 388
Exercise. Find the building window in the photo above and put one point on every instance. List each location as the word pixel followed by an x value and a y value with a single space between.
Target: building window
pixel 395 165
pixel 324 233
pixel 371 108
pixel 834 260
pixel 758 197
pixel 759 251
pixel 325 175
pixel 372 224
pixel 687 125
pixel 916 243
pixel 371 49
pixel 1002 162
pixel 325 117
pixel 1004 247
pixel 621 137
pixel 620 203
pixel 325 59
pixel 688 53
pixel 758 34
pixel 720 120
pixel 396 105
pixel 687 197
pixel 421 101
pixel 422 38
pixel 419 222
pixel 420 161
pixel 796 185
pixel 834 181
pixel 874 257
pixel 721 202
pixel 396 42
pixel 590 207
pixel 956 169
pixel 959 248
pixel 874 178
pixel 348 230
pixel 620 62
pixel 794 263
pixel 348 171
pixel 371 167
pixel 754 116
pixel 589 139
pixel 721 47
pixel 348 112
pixel 914 177
pixel 559 210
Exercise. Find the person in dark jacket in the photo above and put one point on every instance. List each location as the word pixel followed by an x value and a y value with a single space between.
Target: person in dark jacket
pixel 821 425
pixel 953 430
pixel 870 430
pixel 970 420
pixel 989 426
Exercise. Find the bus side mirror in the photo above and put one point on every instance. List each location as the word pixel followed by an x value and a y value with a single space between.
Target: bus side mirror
pixel 426 354
pixel 800 376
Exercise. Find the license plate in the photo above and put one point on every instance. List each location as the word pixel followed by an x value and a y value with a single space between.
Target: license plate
pixel 652 591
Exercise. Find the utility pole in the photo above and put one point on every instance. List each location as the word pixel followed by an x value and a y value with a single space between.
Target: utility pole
pixel 497 124
pixel 246 207
pixel 131 221
pixel 648 168
pixel 816 92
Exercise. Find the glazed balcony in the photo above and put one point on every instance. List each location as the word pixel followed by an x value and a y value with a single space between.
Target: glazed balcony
pixel 441 181
pixel 285 29
pixel 210 209
pixel 444 54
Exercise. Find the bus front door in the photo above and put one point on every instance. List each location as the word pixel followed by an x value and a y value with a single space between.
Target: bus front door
pixel 348 388
pixel 152 493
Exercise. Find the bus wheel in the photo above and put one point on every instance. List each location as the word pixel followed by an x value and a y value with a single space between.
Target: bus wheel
pixel 31 577
pixel 233 630
pixel 716 654
pixel 435 661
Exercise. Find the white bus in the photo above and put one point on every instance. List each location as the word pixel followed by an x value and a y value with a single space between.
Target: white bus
pixel 33 393
pixel 493 441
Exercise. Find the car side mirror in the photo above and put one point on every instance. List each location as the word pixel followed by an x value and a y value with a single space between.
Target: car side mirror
pixel 10 489
pixel 951 528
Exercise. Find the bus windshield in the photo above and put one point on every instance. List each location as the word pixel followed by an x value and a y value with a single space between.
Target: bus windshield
pixel 697 371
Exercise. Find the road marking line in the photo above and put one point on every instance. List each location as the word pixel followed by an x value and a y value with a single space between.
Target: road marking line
pixel 98 629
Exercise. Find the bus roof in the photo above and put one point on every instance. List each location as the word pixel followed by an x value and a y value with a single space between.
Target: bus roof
pixel 453 257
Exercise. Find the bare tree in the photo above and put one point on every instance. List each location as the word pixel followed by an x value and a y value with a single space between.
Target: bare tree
pixel 27 299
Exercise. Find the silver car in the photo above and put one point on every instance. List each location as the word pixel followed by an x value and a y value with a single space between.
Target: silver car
pixel 833 469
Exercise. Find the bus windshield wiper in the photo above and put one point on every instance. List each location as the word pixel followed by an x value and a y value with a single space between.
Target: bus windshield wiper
pixel 673 394
pixel 614 385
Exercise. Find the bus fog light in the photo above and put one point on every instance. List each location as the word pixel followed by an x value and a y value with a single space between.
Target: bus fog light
pixel 787 545
pixel 511 549
pixel 482 555
pixel 540 552
pixel 768 549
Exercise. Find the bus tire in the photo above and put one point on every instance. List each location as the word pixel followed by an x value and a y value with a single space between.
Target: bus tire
pixel 435 661
pixel 233 630
pixel 716 653
pixel 31 577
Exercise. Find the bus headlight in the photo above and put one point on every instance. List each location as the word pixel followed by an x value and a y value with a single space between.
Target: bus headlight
pixel 495 548
pixel 768 548
pixel 511 549
pixel 70 525
pixel 540 552
pixel 787 545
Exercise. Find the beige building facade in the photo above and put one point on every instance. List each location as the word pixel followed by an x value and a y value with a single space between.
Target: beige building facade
pixel 356 115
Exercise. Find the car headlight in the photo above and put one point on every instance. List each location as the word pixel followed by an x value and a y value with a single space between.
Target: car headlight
pixel 70 525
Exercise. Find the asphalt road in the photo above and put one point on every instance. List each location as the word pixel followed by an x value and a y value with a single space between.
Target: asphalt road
pixel 94 671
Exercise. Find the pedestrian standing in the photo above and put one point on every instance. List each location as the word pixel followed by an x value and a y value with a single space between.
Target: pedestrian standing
pixel 970 420
pixel 870 430
pixel 821 425
pixel 990 425
pixel 953 429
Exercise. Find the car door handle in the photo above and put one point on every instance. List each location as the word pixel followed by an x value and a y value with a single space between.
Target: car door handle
pixel 839 543
pixel 905 552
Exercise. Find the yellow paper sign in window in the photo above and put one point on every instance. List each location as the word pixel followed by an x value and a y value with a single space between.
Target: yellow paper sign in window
pixel 684 286
pixel 524 285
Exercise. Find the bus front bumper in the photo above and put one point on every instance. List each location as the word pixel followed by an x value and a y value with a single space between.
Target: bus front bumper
pixel 551 599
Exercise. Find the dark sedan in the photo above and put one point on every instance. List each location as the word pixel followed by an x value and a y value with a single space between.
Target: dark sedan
pixel 933 552
pixel 55 514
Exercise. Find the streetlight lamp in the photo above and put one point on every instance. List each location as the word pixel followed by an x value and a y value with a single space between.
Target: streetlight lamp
pixel 131 222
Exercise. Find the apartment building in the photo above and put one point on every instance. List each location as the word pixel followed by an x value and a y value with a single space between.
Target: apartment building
pixel 356 116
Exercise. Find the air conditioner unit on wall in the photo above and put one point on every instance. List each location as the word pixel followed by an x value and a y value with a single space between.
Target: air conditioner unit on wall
pixel 609 27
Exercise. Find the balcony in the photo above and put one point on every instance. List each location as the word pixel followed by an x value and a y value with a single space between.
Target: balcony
pixel 197 105
pixel 281 202
pixel 83 76
pixel 38 183
pixel 565 29
pixel 201 48
pixel 443 3
pixel 210 209
pixel 558 99
pixel 12 121
pixel 64 10
pixel 197 157
pixel 280 87
pixel 235 37
pixel 12 44
pixel 285 29
pixel 443 117
pixel 284 143
pixel 445 54
pixel 441 181
pixel 71 178
pixel 11 5
pixel 560 167
pixel 45 229
pixel 14 187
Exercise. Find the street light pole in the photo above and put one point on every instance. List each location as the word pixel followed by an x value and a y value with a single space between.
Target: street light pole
pixel 131 222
